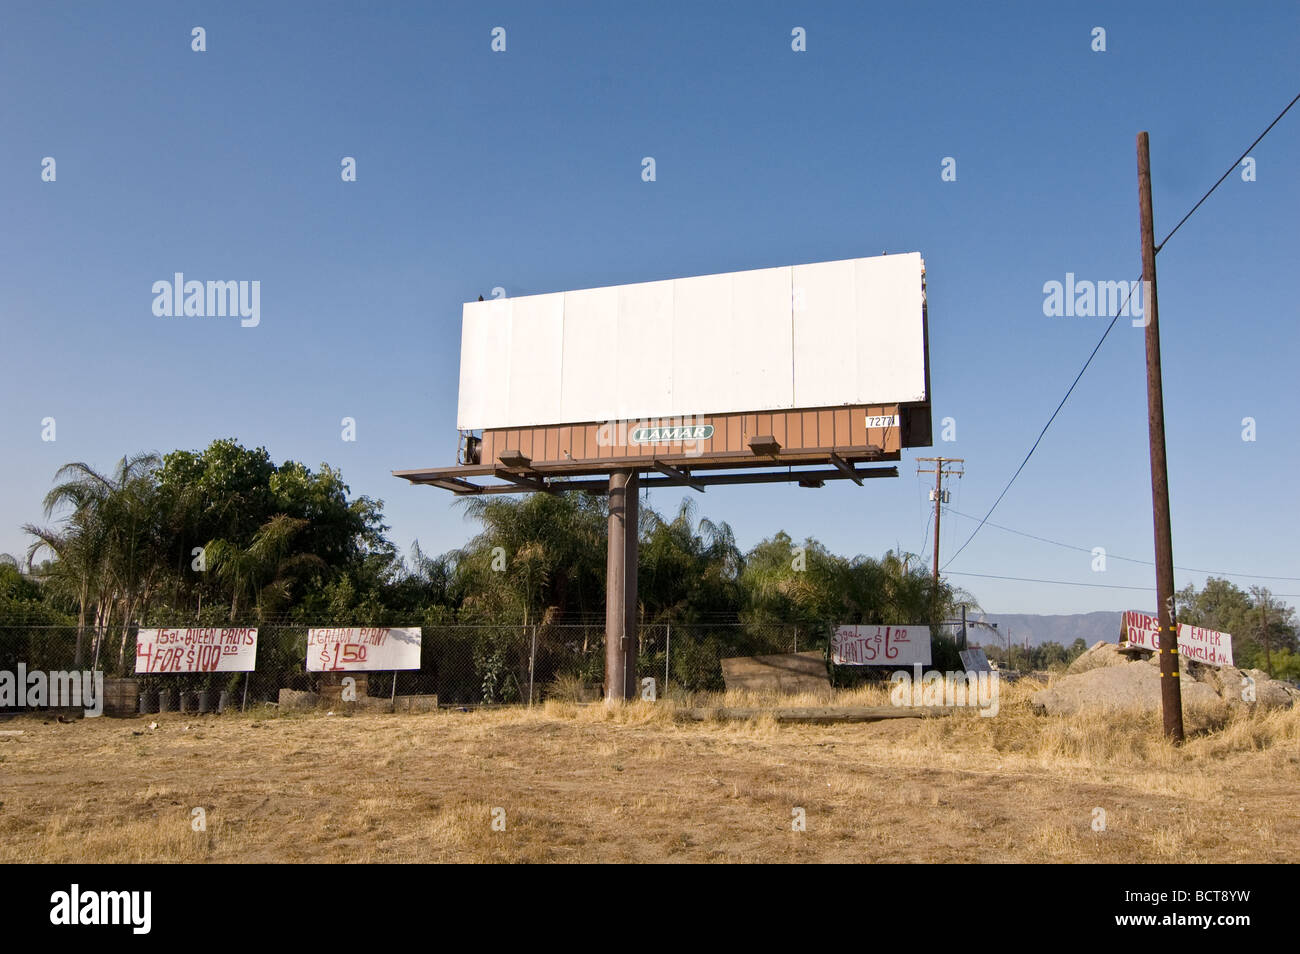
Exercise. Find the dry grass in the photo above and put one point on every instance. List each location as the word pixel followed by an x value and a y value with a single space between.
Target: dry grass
pixel 641 783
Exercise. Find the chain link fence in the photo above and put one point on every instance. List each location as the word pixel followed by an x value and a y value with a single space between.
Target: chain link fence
pixel 461 664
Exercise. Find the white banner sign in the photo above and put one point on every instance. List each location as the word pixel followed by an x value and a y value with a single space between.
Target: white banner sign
pixel 1195 642
pixel 195 650
pixel 1205 645
pixel 331 650
pixel 881 646
pixel 1142 629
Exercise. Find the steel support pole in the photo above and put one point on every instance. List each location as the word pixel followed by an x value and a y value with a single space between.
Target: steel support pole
pixel 620 587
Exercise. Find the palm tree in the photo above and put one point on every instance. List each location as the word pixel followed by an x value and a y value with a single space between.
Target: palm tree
pixel 103 539
pixel 263 571
pixel 688 567
pixel 78 552
pixel 539 558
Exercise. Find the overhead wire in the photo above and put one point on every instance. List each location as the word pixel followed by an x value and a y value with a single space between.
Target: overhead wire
pixel 1097 347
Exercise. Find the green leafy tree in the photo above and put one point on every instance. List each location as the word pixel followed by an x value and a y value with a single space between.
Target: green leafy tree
pixel 689 567
pixel 1259 624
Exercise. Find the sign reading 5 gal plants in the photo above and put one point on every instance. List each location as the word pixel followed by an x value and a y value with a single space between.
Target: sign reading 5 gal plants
pixel 880 645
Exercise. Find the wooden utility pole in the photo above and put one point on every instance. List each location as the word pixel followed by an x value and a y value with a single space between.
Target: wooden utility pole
pixel 1263 598
pixel 620 587
pixel 1268 656
pixel 938 495
pixel 1171 697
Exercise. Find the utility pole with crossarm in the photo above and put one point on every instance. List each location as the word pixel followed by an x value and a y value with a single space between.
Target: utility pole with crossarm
pixel 939 495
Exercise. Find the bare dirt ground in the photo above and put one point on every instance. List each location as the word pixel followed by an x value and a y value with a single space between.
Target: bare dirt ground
pixel 642 783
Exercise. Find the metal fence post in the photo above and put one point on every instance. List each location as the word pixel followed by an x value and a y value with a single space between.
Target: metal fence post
pixel 532 662
pixel 668 646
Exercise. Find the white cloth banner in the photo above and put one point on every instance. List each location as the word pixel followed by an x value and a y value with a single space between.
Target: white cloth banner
pixel 881 646
pixel 1195 642
pixel 195 650
pixel 363 648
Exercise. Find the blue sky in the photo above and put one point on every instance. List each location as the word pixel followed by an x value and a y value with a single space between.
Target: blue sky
pixel 523 169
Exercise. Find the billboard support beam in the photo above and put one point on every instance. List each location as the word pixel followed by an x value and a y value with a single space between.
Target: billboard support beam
pixel 600 485
pixel 847 469
pixel 521 480
pixel 678 476
pixel 620 587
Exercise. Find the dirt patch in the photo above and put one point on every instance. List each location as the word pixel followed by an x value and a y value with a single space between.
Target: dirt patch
pixel 575 783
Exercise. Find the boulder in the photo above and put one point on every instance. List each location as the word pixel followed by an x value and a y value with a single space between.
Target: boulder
pixel 1271 693
pixel 1229 682
pixel 1133 687
pixel 1110 680
pixel 1101 654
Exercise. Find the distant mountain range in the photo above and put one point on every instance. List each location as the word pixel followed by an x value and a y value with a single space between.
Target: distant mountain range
pixel 1046 629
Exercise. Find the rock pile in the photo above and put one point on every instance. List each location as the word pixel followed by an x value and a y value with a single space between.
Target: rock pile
pixel 1105 678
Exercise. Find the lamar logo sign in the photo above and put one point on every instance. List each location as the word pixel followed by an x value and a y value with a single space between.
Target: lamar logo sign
pixel 671 435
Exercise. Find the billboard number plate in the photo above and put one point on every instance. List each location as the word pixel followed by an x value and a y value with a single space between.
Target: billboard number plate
pixel 882 420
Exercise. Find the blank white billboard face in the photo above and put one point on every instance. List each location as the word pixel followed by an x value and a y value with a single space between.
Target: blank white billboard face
pixel 822 335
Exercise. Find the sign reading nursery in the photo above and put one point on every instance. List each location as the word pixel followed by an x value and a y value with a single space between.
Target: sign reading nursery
pixel 195 650
pixel 358 648
pixel 1196 643
pixel 881 646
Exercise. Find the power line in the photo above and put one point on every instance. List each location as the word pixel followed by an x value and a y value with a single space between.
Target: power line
pixel 1132 287
pixel 1104 335
pixel 1098 586
pixel 1111 556
pixel 1025 579
pixel 1231 169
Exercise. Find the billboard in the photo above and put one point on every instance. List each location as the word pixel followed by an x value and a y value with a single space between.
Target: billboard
pixel 195 650
pixel 1194 642
pixel 880 646
pixel 354 649
pixel 822 335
